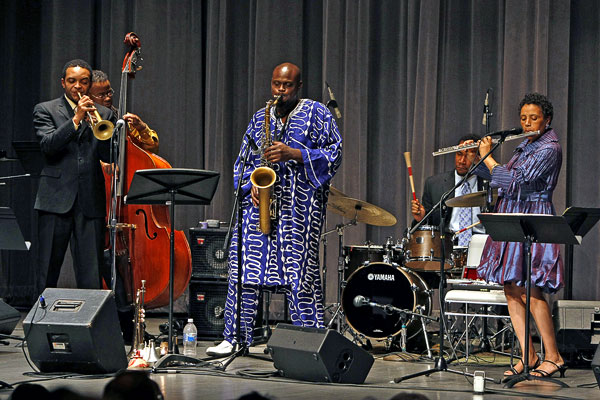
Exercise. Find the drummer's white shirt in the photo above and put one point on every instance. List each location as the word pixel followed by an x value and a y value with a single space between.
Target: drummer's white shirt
pixel 454 222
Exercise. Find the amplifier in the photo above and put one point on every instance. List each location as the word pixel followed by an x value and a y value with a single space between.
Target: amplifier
pixel 574 321
pixel 207 308
pixel 209 260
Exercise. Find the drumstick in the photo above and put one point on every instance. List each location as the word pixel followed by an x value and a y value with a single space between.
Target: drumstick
pixel 466 228
pixel 410 175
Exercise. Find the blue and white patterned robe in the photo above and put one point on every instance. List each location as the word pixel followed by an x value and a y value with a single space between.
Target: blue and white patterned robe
pixel 290 254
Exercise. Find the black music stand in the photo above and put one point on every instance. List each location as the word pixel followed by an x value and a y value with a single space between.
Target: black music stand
pixel 11 237
pixel 581 221
pixel 172 186
pixel 528 229
pixel 30 155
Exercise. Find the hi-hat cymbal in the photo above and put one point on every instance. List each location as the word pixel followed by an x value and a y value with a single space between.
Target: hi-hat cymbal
pixel 475 199
pixel 361 210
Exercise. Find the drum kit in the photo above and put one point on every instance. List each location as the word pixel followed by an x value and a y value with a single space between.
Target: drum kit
pixel 383 290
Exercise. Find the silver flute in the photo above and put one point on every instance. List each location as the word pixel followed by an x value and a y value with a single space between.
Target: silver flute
pixel 454 149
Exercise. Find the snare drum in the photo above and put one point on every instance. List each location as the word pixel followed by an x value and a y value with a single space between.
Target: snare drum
pixel 424 250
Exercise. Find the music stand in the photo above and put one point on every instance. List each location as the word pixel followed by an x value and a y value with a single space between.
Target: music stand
pixel 30 156
pixel 172 186
pixel 11 237
pixel 528 229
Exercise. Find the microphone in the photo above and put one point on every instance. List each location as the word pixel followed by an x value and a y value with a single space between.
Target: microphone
pixel 253 144
pixel 360 301
pixel 486 107
pixel 332 103
pixel 513 131
pixel 120 123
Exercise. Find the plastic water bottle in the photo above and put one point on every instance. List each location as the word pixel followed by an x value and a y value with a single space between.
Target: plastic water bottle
pixel 190 334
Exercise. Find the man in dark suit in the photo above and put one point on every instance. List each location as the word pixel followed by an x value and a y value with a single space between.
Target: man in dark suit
pixel 70 199
pixel 437 185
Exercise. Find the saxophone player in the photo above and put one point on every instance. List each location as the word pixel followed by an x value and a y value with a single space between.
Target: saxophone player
pixel 305 154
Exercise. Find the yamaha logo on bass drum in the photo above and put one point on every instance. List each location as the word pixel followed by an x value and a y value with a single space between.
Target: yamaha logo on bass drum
pixel 381 277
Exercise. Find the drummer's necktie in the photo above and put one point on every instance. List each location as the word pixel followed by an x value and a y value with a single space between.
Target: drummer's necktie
pixel 465 217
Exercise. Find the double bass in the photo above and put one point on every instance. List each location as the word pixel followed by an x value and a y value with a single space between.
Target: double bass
pixel 140 234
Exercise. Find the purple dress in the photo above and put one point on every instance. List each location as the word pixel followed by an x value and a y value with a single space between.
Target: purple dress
pixel 525 185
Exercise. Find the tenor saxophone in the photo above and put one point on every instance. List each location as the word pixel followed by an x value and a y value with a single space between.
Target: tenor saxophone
pixel 264 176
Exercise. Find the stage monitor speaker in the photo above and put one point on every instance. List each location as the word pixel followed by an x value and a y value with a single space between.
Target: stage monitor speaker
pixel 596 365
pixel 9 317
pixel 317 355
pixel 75 330
pixel 209 260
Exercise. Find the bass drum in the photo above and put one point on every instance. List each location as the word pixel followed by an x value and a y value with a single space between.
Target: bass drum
pixel 385 284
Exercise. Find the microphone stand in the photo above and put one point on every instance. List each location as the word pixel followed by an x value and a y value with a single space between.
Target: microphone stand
pixel 112 211
pixel 241 347
pixel 441 364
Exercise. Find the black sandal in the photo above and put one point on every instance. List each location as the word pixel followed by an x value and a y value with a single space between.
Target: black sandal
pixel 508 377
pixel 561 369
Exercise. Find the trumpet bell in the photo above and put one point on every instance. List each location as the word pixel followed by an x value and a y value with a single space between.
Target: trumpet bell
pixel 103 130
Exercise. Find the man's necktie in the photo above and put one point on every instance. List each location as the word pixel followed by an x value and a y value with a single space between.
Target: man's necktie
pixel 465 218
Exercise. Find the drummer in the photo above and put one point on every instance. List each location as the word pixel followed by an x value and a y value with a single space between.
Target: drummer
pixel 437 185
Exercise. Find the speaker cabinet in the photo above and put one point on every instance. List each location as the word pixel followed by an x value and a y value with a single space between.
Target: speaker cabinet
pixel 317 355
pixel 207 307
pixel 77 331
pixel 209 260
pixel 573 322
pixel 9 317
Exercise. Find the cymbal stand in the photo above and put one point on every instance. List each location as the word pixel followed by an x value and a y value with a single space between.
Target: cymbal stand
pixel 324 263
pixel 338 314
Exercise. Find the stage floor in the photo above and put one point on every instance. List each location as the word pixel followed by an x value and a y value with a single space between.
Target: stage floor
pixel 243 375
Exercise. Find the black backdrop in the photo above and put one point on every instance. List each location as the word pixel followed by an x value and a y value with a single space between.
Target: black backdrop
pixel 409 76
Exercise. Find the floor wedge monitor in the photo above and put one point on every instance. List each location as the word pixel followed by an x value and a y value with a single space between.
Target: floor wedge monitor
pixel 75 330
pixel 317 355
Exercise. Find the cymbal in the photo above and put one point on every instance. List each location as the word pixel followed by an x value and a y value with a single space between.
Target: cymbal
pixel 475 199
pixel 361 210
pixel 333 192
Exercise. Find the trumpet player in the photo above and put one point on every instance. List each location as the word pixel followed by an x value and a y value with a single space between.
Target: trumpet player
pixel 304 154
pixel 70 200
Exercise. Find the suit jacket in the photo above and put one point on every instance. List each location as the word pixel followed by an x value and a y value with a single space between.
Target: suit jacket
pixel 71 160
pixel 435 187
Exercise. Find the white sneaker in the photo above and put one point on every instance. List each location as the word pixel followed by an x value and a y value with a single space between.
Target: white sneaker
pixel 221 350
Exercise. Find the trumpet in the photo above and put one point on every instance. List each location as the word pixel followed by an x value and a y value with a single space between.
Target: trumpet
pixel 264 177
pixel 454 149
pixel 102 128
pixel 138 322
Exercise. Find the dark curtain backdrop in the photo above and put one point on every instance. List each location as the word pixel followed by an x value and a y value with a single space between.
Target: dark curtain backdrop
pixel 408 75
